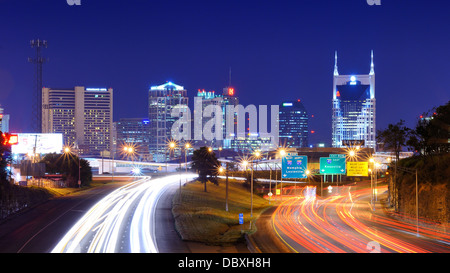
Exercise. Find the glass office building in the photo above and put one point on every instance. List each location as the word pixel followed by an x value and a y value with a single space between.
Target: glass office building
pixel 133 132
pixel 293 124
pixel 161 100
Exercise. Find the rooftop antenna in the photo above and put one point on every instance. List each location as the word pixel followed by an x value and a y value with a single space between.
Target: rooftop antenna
pixel 372 69
pixel 229 79
pixel 335 64
pixel 37 105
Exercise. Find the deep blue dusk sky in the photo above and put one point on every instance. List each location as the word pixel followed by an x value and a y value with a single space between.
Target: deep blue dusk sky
pixel 278 50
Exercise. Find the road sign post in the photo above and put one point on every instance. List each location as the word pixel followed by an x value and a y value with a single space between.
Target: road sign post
pixel 241 218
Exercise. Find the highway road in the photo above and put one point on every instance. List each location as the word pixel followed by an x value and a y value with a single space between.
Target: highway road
pixel 37 229
pixel 348 222
pixel 124 221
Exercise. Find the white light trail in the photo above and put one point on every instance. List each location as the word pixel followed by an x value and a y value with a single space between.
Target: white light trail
pixel 101 229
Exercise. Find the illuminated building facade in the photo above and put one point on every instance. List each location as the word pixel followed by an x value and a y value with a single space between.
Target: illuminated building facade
pixel 162 99
pixel 354 111
pixel 136 133
pixel 293 124
pixel 222 100
pixel 82 115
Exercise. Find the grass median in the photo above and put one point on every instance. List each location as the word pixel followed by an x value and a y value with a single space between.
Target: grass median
pixel 201 216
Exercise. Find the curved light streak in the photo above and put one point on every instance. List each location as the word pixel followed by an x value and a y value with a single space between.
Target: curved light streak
pixel 346 223
pixel 127 210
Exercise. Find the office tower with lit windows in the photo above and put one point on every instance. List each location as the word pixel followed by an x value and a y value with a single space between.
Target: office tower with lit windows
pixel 222 100
pixel 133 132
pixel 293 124
pixel 83 115
pixel 162 99
pixel 354 111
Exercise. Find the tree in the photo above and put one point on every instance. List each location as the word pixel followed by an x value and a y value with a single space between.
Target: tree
pixel 432 132
pixel 394 138
pixel 206 164
pixel 67 165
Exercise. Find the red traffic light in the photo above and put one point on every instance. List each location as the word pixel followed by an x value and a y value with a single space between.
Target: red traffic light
pixel 10 139
pixel 13 139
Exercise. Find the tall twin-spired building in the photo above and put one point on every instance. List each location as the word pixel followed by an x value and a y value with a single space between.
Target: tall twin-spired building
pixel 353 117
pixel 82 115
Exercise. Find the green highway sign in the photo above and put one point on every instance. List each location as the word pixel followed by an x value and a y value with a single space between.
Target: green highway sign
pixel 332 165
pixel 337 155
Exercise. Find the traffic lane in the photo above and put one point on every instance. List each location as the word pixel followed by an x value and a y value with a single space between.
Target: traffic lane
pixel 394 233
pixel 168 240
pixel 124 217
pixel 38 229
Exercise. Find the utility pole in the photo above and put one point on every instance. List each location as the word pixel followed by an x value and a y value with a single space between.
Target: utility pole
pixel 37 104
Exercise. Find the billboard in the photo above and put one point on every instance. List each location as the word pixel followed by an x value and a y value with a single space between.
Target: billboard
pixel 44 143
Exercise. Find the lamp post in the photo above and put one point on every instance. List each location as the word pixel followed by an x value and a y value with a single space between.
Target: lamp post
pixel 244 164
pixel 282 154
pixel 221 170
pixel 67 151
pixel 376 165
pixel 130 151
pixel 413 171
pixel 270 182
pixel 186 147
pixel 172 146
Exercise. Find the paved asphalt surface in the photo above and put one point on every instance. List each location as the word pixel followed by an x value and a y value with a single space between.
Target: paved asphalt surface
pixel 38 229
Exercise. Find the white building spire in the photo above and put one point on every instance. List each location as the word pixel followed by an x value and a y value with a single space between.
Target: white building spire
pixel 335 64
pixel 372 70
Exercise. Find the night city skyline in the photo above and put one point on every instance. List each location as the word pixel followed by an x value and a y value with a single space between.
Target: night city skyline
pixel 221 131
pixel 276 52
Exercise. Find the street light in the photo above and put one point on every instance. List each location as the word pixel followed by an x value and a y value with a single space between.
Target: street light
pixel 245 163
pixel 171 145
pixel 282 153
pixel 186 147
pixel 351 153
pixel 221 170
pixel 68 151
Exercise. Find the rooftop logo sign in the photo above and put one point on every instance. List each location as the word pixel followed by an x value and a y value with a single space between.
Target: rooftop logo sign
pixel 73 2
pixel 374 2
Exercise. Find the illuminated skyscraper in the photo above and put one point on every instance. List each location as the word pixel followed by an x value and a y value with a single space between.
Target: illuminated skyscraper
pixel 83 116
pixel 353 117
pixel 134 132
pixel 293 124
pixel 162 99
pixel 222 100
